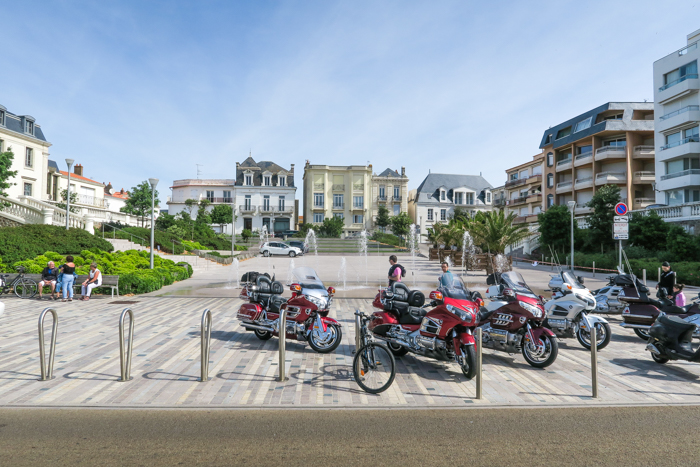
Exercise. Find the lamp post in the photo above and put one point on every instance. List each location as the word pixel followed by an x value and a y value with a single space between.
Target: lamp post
pixel 572 206
pixel 233 228
pixel 69 162
pixel 153 182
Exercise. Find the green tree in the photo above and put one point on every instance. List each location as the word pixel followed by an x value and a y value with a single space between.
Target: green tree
pixel 648 231
pixel 73 201
pixel 222 214
pixel 555 228
pixel 178 231
pixel 165 221
pixel 400 224
pixel 203 216
pixel 6 174
pixel 190 204
pixel 139 201
pixel 461 215
pixel 493 231
pixel 681 244
pixel 332 227
pixel 303 230
pixel 600 222
pixel 383 219
pixel 246 234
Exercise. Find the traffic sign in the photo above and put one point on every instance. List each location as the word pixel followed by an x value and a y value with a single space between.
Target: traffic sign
pixel 621 230
pixel 620 209
pixel 622 219
pixel 621 237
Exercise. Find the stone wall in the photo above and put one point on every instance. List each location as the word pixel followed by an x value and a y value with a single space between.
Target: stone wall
pixel 5 222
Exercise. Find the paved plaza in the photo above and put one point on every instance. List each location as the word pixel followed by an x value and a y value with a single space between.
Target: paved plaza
pixel 243 369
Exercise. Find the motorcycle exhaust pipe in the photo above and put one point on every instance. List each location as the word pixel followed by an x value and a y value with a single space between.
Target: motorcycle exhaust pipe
pixel 652 348
pixel 252 327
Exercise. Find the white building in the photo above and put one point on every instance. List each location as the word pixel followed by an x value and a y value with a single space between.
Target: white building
pixel 216 191
pixel 265 195
pixel 436 199
pixel 24 137
pixel 676 121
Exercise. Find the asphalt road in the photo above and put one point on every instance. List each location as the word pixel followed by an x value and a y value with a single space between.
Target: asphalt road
pixel 562 436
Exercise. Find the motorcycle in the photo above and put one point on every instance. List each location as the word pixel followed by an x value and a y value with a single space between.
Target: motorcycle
pixel 568 312
pixel 307 310
pixel 514 320
pixel 671 338
pixel 607 297
pixel 443 333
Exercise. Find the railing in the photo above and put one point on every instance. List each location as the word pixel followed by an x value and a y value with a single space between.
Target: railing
pixel 381 198
pixel 585 155
pixel 516 182
pixel 499 202
pixel 678 81
pixel 358 187
pixel 124 353
pixel 396 198
pixel 318 186
pixel 358 206
pixel 643 151
pixel 114 231
pixel 644 175
pixel 219 200
pixel 246 208
pixel 563 185
pixel 338 187
pixel 47 370
pixel 563 162
pixel 611 149
pixel 265 208
pixel 23 212
pixel 318 206
pixel 338 206
pixel 59 218
pixel 91 201
pixel 518 200
pixel 687 108
pixel 284 209
pixel 689 139
pixel 581 181
pixel 642 201
pixel 612 176
pixel 680 174
pixel 688 48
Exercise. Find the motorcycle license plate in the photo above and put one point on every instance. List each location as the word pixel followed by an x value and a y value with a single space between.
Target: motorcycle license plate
pixel 556 322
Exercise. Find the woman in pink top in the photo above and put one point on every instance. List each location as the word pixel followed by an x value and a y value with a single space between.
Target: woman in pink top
pixel 679 299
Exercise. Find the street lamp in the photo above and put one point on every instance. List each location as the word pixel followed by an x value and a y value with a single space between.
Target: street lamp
pixel 233 226
pixel 153 182
pixel 69 162
pixel 572 206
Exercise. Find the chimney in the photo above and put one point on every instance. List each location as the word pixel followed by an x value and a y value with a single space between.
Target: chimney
pixel 403 171
pixel 78 170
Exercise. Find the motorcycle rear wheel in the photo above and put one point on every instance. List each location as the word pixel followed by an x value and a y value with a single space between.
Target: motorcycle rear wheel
pixel 584 337
pixel 397 350
pixel 550 345
pixel 469 359
pixel 659 359
pixel 374 368
pixel 642 334
pixel 262 335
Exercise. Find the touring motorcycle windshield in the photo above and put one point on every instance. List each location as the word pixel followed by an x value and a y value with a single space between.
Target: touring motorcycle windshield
pixel 570 279
pixel 515 281
pixel 452 286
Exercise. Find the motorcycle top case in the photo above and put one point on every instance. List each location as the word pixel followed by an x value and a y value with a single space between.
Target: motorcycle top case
pixel 249 312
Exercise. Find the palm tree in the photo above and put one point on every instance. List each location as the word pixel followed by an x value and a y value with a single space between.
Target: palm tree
pixel 494 231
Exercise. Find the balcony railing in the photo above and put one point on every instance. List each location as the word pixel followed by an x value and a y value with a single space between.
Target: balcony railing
pixel 615 177
pixel 644 176
pixel 688 48
pixel 338 206
pixel 685 109
pixel 338 187
pixel 678 81
pixel 583 182
pixel 318 186
pixel 358 206
pixel 246 208
pixel 563 185
pixel 516 182
pixel 563 162
pixel 91 201
pixel 499 202
pixel 266 208
pixel 643 202
pixel 611 150
pixel 583 156
pixel 643 151
pixel 397 198
pixel 358 187
pixel 220 200
pixel 381 198
pixel 689 139
pixel 681 174
pixel 518 200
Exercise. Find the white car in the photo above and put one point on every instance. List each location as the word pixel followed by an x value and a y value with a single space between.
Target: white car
pixel 279 248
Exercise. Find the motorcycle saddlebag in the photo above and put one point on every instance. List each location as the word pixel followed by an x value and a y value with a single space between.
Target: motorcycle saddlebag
pixel 249 312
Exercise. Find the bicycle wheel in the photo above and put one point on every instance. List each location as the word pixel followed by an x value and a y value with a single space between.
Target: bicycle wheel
pixel 26 288
pixel 374 368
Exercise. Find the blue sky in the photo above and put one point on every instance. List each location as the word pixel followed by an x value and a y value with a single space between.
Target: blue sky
pixel 134 90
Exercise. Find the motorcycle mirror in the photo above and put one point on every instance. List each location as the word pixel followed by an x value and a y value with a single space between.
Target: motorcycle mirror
pixel 580 279
pixel 435 295
pixel 295 288
pixel 508 292
pixel 331 291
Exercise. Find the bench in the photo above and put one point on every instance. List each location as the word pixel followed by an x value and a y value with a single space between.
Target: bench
pixel 111 282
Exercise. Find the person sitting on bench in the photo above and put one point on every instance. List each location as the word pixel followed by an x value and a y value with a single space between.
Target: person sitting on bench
pixel 94 280
pixel 49 277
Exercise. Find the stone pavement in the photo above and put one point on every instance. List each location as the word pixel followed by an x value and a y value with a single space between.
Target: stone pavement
pixel 243 369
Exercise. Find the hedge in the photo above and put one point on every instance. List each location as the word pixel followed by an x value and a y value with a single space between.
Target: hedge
pixel 687 272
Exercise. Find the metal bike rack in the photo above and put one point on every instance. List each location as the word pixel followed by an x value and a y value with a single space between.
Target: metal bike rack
pixel 205 334
pixel 125 356
pixel 594 362
pixel 283 344
pixel 47 371
pixel 358 331
pixel 479 332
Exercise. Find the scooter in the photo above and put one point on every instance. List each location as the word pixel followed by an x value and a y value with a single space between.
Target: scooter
pixel 671 338
pixel 568 312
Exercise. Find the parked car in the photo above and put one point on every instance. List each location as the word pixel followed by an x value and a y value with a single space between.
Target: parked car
pixel 286 233
pixel 299 244
pixel 279 248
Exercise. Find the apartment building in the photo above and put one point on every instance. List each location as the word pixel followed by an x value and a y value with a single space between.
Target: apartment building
pixel 611 144
pixel 25 138
pixel 677 118
pixel 339 191
pixel 499 197
pixel 265 196
pixel 524 190
pixel 389 189
pixel 436 199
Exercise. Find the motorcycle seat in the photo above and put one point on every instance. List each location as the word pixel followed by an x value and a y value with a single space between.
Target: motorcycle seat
pixel 673 309
pixel 275 303
pixel 401 292
pixel 677 324
pixel 412 315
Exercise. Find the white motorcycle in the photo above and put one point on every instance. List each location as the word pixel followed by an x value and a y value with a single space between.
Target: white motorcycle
pixel 568 312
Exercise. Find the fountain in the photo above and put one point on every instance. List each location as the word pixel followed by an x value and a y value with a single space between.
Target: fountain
pixel 362 248
pixel 290 277
pixel 413 246
pixel 233 275
pixel 263 240
pixel 468 253
pixel 501 263
pixel 343 272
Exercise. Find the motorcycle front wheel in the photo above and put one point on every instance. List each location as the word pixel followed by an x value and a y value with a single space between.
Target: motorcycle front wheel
pixel 397 350
pixel 603 335
pixel 544 353
pixel 325 342
pixel 642 334
pixel 374 368
pixel 468 361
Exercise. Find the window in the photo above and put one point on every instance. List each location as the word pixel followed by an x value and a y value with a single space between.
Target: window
pixel 563 133
pixel 318 200
pixel 281 203
pixel 266 202
pixel 268 180
pixel 550 159
pixel 210 196
pixel 249 179
pixel 513 177
pixel 692 134
pixel 339 215
pixel 397 209
pixel 617 142
pixel 488 197
pixel 27 189
pixel 357 219
pixel 550 201
pixel 247 202
pixel 430 214
pixel 338 201
pixel 459 198
pixel 673 139
pixel 1 145
pixel 28 158
pixel 358 201
pixel 397 192
pixel 680 165
pixel 443 214
pixel 550 180
pixel 689 70
pixel 29 127
pixel 469 198
pixel 2 117
pixel 692 196
pixel 548 139
pixel 227 197
pixel 584 149
pixel 523 174
pixel 318 218
pixel 442 195
pixel 282 180
pixel 583 124
pixel 382 192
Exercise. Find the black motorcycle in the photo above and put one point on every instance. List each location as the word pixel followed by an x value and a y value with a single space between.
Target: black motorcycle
pixel 671 339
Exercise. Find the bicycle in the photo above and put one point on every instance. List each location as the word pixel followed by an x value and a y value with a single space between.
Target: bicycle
pixel 22 286
pixel 373 366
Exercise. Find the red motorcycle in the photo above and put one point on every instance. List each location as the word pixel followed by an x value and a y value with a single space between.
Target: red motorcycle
pixel 307 310
pixel 443 333
pixel 514 320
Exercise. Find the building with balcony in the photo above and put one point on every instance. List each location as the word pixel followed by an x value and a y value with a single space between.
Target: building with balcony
pixel 345 192
pixel 677 118
pixel 436 199
pixel 25 138
pixel 524 189
pixel 216 191
pixel 611 144
pixel 389 189
pixel 265 196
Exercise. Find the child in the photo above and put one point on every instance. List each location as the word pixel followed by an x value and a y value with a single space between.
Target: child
pixel 679 299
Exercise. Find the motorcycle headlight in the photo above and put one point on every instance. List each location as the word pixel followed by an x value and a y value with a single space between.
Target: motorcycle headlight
pixel 461 314
pixel 535 310
pixel 588 301
pixel 319 302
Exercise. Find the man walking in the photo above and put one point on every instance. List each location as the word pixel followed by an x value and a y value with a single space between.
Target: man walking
pixel 446 278
pixel 396 271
